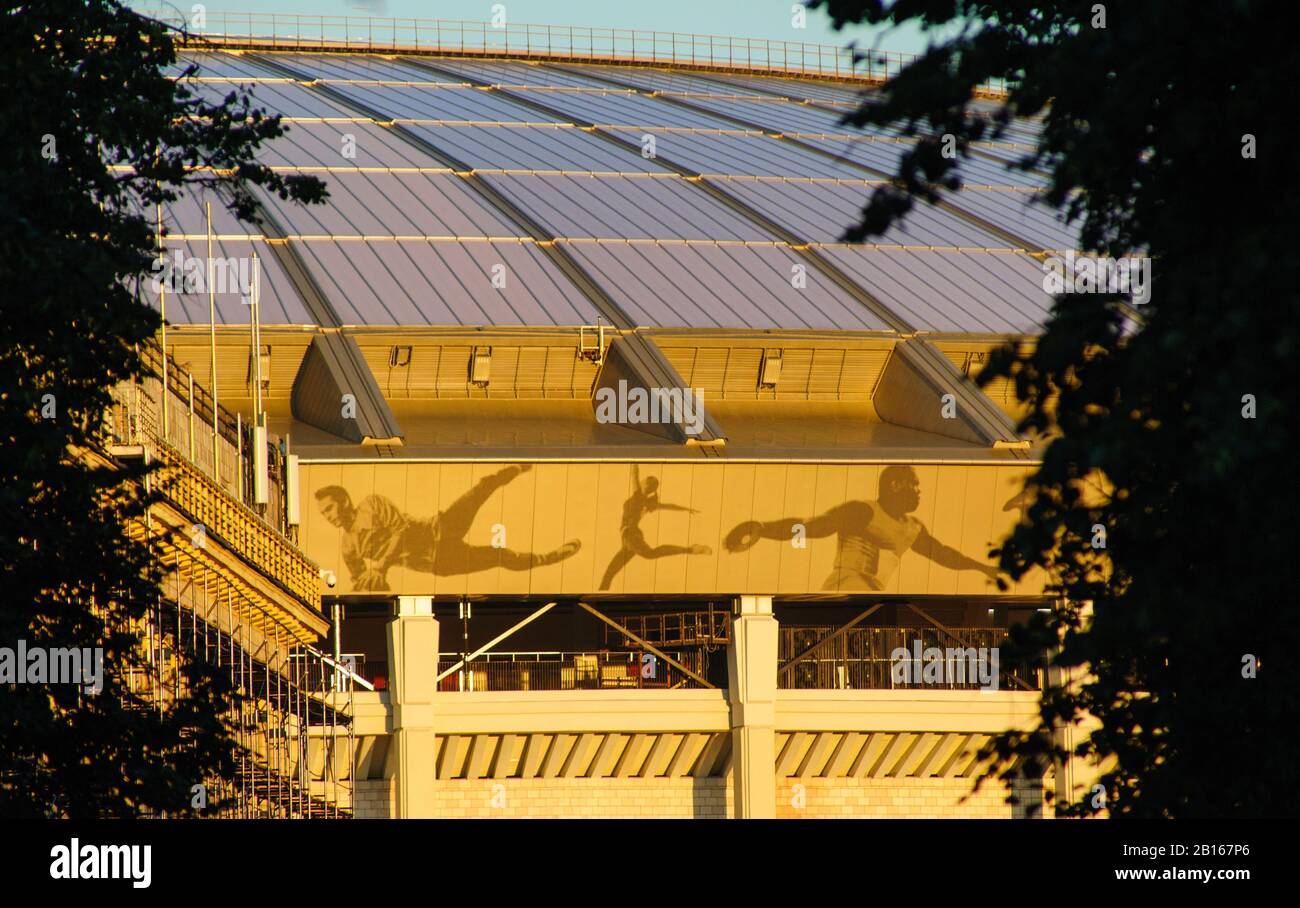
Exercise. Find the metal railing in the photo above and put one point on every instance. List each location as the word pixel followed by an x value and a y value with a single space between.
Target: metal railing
pixel 221 501
pixel 862 658
pixel 289 31
pixel 699 627
pixel 290 718
pixel 568 671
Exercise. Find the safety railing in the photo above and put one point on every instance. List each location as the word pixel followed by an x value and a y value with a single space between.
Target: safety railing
pixel 568 671
pixel 216 492
pixel 893 658
pixel 291 31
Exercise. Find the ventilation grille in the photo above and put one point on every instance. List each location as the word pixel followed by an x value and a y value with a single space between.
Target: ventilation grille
pixel 807 373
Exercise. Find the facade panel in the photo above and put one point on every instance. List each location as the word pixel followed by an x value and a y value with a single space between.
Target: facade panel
pixel 732 528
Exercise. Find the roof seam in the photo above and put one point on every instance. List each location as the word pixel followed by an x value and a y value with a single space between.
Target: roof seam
pixel 603 303
pixel 948 206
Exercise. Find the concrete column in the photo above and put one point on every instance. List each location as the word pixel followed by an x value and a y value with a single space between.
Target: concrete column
pixel 1075 776
pixel 412 673
pixel 751 690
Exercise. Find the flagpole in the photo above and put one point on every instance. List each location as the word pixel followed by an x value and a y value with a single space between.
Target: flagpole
pixel 212 335
pixel 162 305
pixel 257 341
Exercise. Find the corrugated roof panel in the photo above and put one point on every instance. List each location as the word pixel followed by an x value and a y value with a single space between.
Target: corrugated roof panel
pixel 803 89
pixel 365 67
pixel 1017 213
pixel 509 72
pixel 777 115
pixel 821 212
pixel 532 148
pixel 412 282
pixel 186 215
pixel 1004 151
pixel 883 156
pixel 622 108
pixel 1025 125
pixel 380 203
pixel 707 286
pixel 278 302
pixel 411 102
pixel 746 154
pixel 625 208
pixel 871 147
pixel 288 99
pixel 952 291
pixel 308 144
pixel 669 81
pixel 219 65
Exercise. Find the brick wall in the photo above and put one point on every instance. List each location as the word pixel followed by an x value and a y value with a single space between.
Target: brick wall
pixel 814 798
pixel 374 799
pixel 703 799
pixel 593 798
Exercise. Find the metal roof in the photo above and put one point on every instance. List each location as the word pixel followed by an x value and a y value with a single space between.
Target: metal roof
pixel 445 172
pixel 414 282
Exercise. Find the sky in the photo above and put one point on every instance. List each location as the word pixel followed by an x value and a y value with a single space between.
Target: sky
pixel 771 19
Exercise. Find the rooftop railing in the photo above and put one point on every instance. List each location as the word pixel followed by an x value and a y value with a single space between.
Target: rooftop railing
pixel 289 31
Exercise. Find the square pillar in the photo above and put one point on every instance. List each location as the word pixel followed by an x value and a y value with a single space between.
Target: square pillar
pixel 413 670
pixel 751 691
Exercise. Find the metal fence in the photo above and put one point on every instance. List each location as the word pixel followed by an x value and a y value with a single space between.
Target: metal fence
pixel 288 31
pixel 863 659
pixel 290 717
pixel 136 418
pixel 567 671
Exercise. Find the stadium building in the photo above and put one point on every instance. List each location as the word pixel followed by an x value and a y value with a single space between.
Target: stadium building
pixel 622 482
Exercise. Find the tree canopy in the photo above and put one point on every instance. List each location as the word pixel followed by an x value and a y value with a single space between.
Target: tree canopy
pixel 96 134
pixel 1163 137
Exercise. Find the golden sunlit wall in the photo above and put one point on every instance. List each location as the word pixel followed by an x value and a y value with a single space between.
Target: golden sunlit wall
pixel 657 528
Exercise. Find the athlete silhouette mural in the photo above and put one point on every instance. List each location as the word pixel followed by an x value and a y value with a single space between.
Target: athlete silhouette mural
pixel 873 535
pixel 378 536
pixel 643 500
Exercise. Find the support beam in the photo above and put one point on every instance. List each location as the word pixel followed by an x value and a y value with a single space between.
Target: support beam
pixel 644 644
pixel 495 640
pixel 825 641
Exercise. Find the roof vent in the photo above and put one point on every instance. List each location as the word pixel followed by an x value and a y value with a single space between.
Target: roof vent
pixel 480 367
pixel 770 372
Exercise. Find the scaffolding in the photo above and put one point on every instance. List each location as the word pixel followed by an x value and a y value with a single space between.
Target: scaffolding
pixel 708 627
pixel 290 718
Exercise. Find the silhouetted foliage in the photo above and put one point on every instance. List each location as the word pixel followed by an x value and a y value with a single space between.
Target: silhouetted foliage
pixel 94 135
pixel 1146 124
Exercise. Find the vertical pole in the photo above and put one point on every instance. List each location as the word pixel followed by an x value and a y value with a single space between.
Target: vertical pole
pixel 212 336
pixel 162 305
pixel 191 379
pixel 337 615
pixel 255 335
pixel 239 456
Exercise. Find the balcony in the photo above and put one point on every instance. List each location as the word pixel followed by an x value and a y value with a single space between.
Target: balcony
pixel 603 670
pixel 863 659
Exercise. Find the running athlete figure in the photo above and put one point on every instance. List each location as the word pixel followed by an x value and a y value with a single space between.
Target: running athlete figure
pixel 644 500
